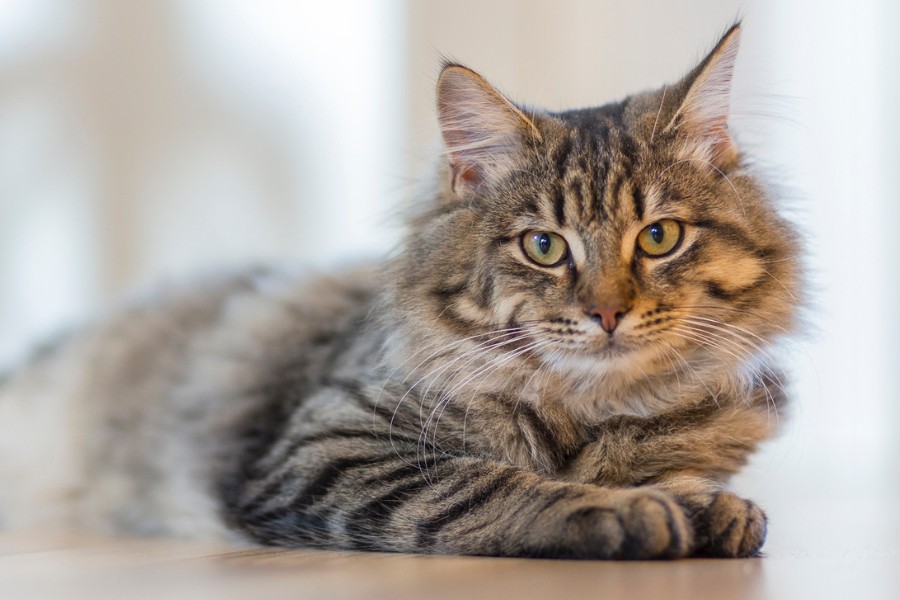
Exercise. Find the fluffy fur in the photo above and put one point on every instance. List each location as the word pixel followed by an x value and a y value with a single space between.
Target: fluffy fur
pixel 464 398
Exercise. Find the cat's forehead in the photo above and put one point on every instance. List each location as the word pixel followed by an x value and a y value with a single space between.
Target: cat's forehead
pixel 600 167
pixel 596 120
pixel 593 142
pixel 589 172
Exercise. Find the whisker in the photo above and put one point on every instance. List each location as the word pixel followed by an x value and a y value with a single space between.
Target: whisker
pixel 424 423
pixel 729 308
pixel 658 112
pixel 473 352
pixel 732 330
pixel 443 349
pixel 449 395
pixel 689 367
pixel 705 337
pixel 784 287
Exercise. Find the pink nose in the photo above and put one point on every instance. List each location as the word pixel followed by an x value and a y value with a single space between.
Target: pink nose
pixel 608 316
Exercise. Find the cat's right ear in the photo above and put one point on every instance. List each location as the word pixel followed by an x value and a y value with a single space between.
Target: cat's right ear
pixel 484 133
pixel 703 115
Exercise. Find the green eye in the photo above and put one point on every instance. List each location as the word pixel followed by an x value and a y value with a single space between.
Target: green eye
pixel 660 238
pixel 544 248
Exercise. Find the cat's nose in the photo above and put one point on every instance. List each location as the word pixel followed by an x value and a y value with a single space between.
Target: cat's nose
pixel 608 316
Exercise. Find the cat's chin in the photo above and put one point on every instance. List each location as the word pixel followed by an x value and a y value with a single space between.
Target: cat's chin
pixel 610 359
pixel 613 348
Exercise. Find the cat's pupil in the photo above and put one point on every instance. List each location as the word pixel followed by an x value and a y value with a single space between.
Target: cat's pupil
pixel 657 233
pixel 544 243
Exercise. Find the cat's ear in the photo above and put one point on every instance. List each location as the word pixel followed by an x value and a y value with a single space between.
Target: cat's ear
pixel 702 116
pixel 484 133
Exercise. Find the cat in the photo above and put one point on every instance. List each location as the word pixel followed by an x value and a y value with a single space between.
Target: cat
pixel 569 357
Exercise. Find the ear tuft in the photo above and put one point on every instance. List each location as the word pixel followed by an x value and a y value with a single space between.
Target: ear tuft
pixel 703 114
pixel 484 132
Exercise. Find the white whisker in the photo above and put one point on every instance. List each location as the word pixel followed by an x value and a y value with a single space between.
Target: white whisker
pixel 658 112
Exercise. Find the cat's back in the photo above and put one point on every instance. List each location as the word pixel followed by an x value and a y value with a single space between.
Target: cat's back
pixel 121 425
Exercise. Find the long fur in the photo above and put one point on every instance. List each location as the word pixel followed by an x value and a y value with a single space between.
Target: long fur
pixel 461 398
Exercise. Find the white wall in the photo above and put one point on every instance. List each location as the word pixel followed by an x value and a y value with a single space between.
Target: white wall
pixel 889 148
pixel 829 61
pixel 147 139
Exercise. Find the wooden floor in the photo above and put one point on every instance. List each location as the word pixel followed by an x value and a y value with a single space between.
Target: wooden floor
pixel 818 548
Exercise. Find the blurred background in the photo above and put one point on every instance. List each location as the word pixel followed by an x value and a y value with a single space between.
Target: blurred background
pixel 144 140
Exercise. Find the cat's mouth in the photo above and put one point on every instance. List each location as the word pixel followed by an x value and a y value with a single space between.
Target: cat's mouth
pixel 613 347
pixel 608 347
pixel 609 357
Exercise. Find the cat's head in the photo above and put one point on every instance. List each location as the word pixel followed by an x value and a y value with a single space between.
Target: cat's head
pixel 613 244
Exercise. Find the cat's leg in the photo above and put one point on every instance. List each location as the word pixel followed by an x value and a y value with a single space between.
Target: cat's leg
pixel 688 454
pixel 723 523
pixel 713 437
pixel 347 490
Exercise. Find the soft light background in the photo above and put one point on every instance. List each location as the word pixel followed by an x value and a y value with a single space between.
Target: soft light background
pixel 142 140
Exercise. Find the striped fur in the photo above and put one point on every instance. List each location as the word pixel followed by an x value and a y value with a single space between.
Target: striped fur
pixel 462 399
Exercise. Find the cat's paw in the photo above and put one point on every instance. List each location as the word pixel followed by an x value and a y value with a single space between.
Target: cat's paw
pixel 654 525
pixel 634 524
pixel 730 526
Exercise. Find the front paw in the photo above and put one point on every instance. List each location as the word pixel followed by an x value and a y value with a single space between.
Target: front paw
pixel 729 526
pixel 633 524
pixel 654 526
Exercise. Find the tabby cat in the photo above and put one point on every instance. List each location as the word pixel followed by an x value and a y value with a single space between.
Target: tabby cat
pixel 569 357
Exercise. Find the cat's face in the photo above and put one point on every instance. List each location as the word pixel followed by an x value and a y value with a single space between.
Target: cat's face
pixel 614 253
pixel 621 242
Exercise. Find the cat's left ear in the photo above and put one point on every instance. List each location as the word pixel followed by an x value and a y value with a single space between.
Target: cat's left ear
pixel 702 117
pixel 485 134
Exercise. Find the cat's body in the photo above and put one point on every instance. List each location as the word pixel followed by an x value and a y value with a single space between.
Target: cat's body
pixel 544 370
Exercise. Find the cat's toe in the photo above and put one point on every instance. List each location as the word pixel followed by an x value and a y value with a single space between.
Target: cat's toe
pixel 631 524
pixel 654 525
pixel 732 527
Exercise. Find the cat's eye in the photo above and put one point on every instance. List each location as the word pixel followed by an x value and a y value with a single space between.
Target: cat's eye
pixel 660 238
pixel 545 248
